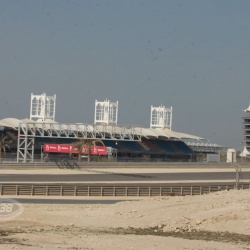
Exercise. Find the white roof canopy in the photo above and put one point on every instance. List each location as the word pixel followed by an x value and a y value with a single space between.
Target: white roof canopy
pixel 144 132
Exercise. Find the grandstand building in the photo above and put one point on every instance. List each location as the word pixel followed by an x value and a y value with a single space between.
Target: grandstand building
pixel 23 140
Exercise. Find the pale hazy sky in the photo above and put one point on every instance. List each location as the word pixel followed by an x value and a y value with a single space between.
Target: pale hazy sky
pixel 193 55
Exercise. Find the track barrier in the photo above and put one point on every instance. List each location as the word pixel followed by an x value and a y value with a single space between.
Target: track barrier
pixel 115 190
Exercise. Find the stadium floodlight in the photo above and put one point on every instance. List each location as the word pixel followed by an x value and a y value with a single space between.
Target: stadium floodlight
pixel 43 107
pixel 106 112
pixel 161 117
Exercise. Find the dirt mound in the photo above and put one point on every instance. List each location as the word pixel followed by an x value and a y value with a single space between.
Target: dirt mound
pixel 214 221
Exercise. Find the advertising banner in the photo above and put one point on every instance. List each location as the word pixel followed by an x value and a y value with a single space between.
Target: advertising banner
pixel 67 148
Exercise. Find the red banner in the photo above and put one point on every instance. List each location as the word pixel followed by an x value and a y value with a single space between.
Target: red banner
pixel 67 148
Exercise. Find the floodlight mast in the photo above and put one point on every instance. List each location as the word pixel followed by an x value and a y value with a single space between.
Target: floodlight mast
pixel 161 117
pixel 43 107
pixel 106 112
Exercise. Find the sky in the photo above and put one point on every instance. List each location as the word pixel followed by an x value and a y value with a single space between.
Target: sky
pixel 192 55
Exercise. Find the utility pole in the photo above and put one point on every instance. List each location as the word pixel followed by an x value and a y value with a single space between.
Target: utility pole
pixel 237 177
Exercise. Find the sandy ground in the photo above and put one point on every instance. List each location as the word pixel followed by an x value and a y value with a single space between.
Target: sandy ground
pixel 214 221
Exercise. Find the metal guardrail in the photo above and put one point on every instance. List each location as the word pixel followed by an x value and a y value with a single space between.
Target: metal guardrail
pixel 87 190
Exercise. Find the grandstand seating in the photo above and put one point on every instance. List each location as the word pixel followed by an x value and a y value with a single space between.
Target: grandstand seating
pixel 131 145
pixel 153 148
pixel 182 147
pixel 150 145
pixel 164 145
pixel 124 145
pixel 110 143
pixel 146 145
pixel 167 146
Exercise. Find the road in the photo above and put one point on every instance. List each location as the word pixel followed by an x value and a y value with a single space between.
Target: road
pixel 65 201
pixel 102 176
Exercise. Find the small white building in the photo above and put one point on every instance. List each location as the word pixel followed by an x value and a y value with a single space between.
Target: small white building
pixel 231 155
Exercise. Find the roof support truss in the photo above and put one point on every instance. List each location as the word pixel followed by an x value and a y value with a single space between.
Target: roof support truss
pixel 25 152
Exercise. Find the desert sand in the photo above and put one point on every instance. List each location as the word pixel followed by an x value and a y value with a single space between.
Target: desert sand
pixel 218 220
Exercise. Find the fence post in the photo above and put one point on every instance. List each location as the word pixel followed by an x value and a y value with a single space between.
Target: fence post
pixel 32 190
pixel 75 191
pixel 17 189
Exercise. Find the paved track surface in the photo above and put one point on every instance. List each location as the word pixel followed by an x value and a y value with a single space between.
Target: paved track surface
pixel 124 177
pixel 65 201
